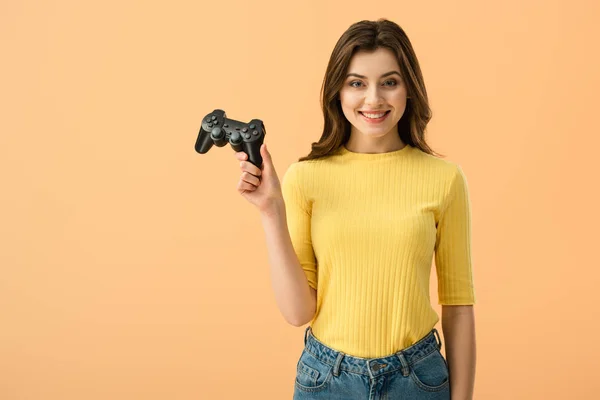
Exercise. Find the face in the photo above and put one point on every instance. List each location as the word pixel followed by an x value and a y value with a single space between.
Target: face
pixel 369 87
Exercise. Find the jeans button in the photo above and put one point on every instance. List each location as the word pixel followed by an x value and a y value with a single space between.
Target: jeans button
pixel 377 367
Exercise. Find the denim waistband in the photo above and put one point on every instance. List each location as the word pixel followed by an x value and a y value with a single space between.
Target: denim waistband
pixel 372 367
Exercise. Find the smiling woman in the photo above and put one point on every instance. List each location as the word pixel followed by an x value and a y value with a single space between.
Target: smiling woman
pixel 367 210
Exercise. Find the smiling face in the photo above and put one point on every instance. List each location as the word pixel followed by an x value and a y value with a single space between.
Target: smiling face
pixel 374 83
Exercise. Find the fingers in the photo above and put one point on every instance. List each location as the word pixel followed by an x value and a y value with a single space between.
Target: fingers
pixel 248 177
pixel 266 156
pixel 251 168
pixel 246 186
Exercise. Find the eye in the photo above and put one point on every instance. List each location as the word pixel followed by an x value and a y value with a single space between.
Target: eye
pixel 389 80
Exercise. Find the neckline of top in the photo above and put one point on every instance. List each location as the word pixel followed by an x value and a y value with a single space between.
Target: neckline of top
pixel 373 156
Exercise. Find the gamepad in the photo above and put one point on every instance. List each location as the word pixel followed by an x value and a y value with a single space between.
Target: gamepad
pixel 219 130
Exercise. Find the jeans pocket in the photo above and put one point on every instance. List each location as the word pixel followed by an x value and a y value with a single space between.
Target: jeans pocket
pixel 312 374
pixel 430 373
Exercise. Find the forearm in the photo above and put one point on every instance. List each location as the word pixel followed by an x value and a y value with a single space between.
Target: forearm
pixel 290 285
pixel 458 325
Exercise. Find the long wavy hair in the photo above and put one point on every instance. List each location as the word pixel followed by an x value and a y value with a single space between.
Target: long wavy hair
pixel 369 36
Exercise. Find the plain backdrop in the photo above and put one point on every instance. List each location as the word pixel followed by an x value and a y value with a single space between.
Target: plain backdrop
pixel 130 266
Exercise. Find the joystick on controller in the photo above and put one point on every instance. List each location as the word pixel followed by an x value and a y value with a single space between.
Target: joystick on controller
pixel 219 130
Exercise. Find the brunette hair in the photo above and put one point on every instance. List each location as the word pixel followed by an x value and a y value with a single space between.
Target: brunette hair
pixel 369 36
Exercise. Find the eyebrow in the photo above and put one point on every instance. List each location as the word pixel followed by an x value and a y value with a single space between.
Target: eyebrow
pixel 382 76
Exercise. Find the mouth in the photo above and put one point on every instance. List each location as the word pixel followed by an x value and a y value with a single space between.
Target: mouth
pixel 376 119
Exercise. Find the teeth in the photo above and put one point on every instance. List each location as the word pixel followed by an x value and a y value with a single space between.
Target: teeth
pixel 374 115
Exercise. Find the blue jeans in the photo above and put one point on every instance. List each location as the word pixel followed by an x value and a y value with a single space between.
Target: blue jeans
pixel 414 373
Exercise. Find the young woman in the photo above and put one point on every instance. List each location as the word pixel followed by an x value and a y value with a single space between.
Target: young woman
pixel 353 227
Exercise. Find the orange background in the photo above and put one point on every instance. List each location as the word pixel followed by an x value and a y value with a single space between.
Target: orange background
pixel 131 268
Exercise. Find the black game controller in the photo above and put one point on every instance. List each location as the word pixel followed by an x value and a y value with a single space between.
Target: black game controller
pixel 219 130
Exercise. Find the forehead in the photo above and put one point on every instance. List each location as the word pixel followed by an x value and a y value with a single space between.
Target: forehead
pixel 373 62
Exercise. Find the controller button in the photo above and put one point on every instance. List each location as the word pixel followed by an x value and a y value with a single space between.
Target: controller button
pixel 245 129
pixel 208 119
pixel 209 125
pixel 237 128
pixel 214 117
pixel 225 125
pixel 247 135
pixel 252 126
pixel 255 132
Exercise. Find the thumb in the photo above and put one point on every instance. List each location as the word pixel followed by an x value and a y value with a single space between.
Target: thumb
pixel 265 155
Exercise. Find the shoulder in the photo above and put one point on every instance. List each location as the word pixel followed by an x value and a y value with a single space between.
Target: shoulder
pixel 298 175
pixel 295 170
pixel 301 170
pixel 442 170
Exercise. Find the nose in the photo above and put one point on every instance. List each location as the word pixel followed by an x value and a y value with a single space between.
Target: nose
pixel 373 96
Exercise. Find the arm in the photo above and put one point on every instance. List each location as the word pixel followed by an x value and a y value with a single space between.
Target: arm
pixel 458 325
pixel 456 288
pixel 295 298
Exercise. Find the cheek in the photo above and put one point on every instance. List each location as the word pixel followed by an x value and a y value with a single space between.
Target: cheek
pixel 349 101
pixel 398 97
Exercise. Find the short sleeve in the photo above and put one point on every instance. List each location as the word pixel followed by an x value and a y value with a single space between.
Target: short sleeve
pixel 298 214
pixel 453 245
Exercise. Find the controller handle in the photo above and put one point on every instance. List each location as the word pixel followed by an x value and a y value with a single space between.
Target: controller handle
pixel 253 151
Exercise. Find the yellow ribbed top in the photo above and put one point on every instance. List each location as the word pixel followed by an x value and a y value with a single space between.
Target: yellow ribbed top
pixel 365 228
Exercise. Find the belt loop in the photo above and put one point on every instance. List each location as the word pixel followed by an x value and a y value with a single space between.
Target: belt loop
pixel 338 361
pixel 438 338
pixel 405 365
pixel 306 334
